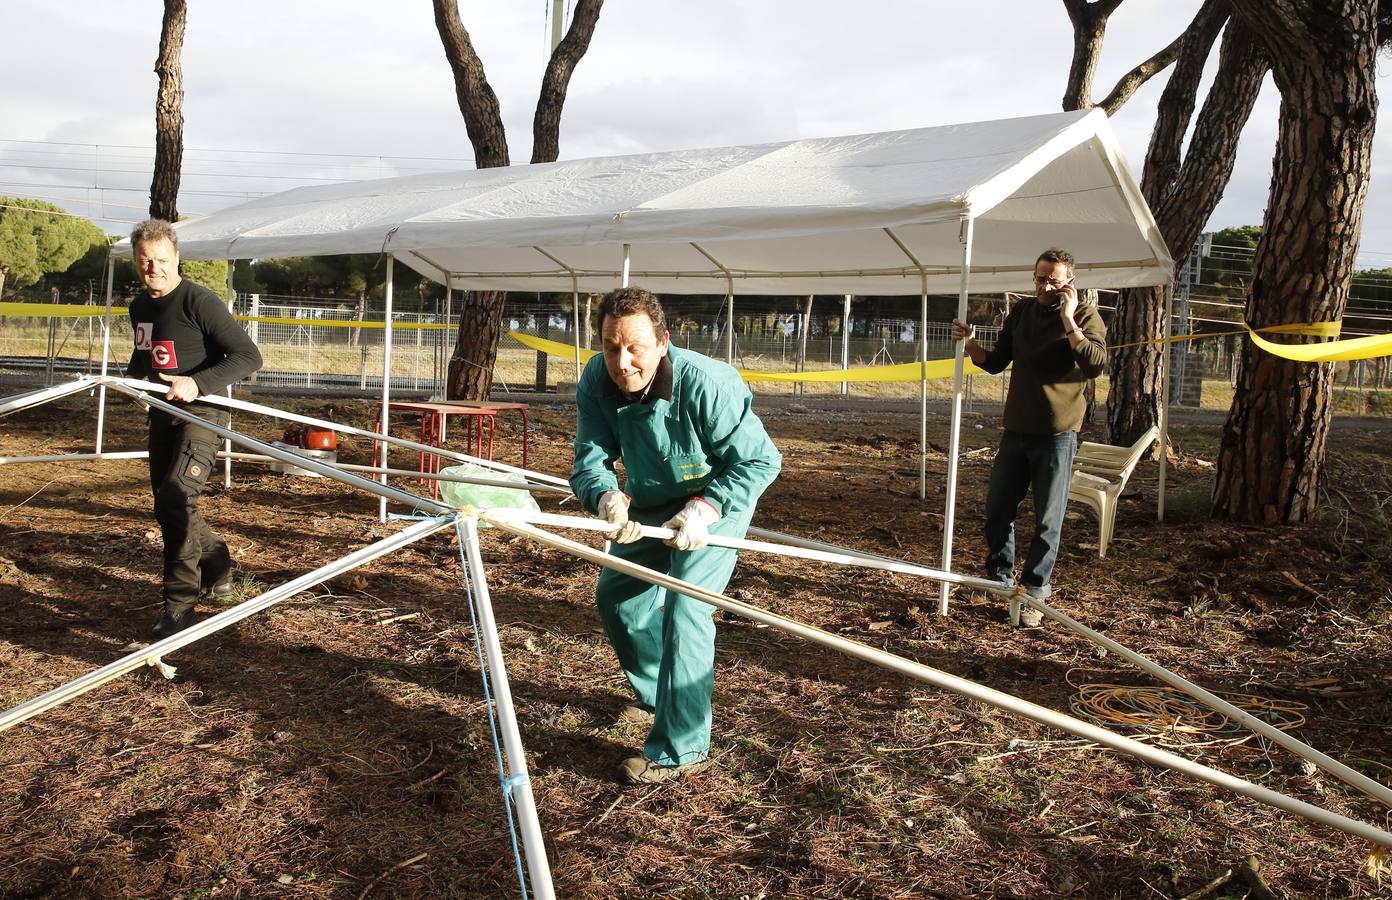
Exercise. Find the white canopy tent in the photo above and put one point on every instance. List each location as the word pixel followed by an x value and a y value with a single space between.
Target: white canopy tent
pixel 925 211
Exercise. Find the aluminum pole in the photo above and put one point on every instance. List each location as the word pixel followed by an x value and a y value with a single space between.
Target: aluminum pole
pixel 1350 776
pixel 534 847
pixel 624 281
pixel 227 444
pixel 152 654
pixel 846 342
pixel 826 553
pixel 729 321
pixel 923 391
pixel 1166 332
pixel 955 439
pixel 245 406
pixel 423 504
pixel 106 349
pixel 1000 699
pixel 575 319
pixel 384 448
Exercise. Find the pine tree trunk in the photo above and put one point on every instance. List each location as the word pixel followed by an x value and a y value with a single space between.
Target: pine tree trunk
pixel 1182 197
pixel 476 345
pixel 169 115
pixel 1323 61
pixel 546 125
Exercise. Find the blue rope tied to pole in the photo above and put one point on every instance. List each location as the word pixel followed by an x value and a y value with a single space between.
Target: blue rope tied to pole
pixel 505 782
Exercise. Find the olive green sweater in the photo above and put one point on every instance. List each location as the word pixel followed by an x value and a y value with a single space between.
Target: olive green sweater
pixel 1047 375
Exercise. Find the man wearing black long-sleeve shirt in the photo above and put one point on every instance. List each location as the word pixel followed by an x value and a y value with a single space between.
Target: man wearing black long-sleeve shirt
pixel 1055 345
pixel 185 336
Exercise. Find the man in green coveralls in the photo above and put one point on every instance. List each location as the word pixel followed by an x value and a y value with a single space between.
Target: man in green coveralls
pixel 696 460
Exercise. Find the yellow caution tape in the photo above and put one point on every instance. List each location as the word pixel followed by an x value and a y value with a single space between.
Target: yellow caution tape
pixel 936 368
pixel 551 348
pixel 57 310
pixel 1370 347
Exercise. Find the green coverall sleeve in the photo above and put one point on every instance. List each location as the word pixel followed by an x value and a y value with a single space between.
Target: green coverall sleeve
pixel 596 449
pixel 746 461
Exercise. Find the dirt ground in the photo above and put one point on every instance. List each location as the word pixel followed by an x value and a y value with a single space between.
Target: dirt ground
pixel 337 745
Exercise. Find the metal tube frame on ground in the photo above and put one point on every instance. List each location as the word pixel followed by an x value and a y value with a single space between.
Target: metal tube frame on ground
pixel 423 504
pixel 836 557
pixel 946 681
pixel 246 406
pixel 43 395
pixel 518 782
pixel 371 470
pixel 1353 778
pixel 154 652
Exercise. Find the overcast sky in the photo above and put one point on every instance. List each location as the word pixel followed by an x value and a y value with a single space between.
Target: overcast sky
pixel 370 79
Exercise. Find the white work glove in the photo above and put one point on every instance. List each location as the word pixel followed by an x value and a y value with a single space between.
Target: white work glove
pixel 613 508
pixel 692 525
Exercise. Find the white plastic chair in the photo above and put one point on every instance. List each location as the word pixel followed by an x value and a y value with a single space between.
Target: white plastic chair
pixel 1100 472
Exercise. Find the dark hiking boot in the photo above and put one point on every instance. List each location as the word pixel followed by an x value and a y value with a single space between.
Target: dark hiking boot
pixel 215 582
pixel 177 617
pixel 641 770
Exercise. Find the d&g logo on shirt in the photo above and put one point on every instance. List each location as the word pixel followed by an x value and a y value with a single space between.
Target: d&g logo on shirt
pixel 162 355
pixel 142 335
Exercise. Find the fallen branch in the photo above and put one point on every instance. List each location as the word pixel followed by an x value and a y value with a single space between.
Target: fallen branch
pixel 401 865
pixel 1209 888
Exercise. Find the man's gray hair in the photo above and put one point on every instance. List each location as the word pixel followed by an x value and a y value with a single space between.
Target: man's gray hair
pixel 154 230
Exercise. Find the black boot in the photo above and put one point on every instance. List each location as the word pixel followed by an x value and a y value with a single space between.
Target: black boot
pixel 177 617
pixel 215 579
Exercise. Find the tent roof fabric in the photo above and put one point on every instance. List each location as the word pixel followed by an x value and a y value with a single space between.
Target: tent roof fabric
pixel 866 214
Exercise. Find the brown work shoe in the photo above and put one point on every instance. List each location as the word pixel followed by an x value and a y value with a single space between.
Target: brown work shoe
pixel 641 770
pixel 635 714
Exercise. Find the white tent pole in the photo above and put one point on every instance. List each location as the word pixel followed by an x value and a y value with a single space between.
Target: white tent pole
pixel 846 342
pixel 575 320
pixel 43 395
pixel 227 444
pixel 955 440
pixel 922 366
pixel 729 302
pixel 383 448
pixel 938 678
pixel 106 349
pixel 729 320
pixel 626 252
pixel 923 391
pixel 1166 330
pixel 574 303
pixel 519 782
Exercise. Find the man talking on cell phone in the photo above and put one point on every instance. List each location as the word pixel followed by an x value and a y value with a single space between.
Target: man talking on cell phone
pixel 1056 345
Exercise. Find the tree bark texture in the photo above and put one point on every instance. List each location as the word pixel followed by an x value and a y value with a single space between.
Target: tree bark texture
pixel 169 114
pixel 1182 197
pixel 1323 57
pixel 546 125
pixel 476 345
pixel 1089 18
pixel 481 315
pixel 483 118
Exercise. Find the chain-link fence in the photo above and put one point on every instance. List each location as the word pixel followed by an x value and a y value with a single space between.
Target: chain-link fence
pixel 331 346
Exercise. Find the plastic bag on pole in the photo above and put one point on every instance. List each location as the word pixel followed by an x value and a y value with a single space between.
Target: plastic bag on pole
pixel 480 496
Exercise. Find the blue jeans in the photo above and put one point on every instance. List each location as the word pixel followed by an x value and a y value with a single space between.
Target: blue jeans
pixel 1043 462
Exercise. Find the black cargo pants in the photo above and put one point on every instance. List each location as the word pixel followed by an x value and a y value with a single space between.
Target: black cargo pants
pixel 181 458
